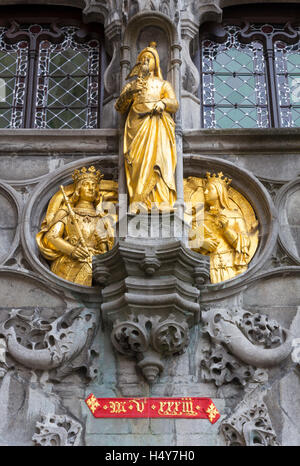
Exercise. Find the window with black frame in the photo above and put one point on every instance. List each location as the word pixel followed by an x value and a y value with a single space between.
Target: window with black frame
pixel 50 75
pixel 250 73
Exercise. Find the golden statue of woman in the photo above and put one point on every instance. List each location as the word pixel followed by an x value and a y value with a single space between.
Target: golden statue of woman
pixel 73 230
pixel 149 138
pixel 227 238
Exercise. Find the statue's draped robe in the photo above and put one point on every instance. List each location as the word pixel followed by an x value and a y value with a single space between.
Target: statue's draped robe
pixel 231 256
pixel 149 143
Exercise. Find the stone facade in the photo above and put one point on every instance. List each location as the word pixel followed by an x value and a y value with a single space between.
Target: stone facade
pixel 239 340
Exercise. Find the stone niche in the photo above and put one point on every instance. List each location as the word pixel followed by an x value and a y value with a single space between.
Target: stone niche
pixel 156 34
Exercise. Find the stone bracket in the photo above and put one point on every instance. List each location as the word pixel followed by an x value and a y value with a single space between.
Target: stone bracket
pixel 150 292
pixel 149 339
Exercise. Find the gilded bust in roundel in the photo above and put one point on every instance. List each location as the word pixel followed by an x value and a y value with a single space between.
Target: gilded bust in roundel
pixel 223 225
pixel 75 227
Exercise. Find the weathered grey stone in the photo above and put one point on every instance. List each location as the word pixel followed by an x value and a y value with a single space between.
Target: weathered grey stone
pixel 57 430
pixel 287 202
pixel 152 317
pixel 54 142
pixel 250 424
pixel 231 328
pixel 9 213
pixel 264 165
pixel 274 291
pixel 32 291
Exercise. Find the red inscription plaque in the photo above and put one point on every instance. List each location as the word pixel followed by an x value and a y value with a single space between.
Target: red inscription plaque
pixel 183 407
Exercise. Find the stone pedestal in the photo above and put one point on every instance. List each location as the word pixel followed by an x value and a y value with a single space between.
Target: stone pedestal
pixel 150 289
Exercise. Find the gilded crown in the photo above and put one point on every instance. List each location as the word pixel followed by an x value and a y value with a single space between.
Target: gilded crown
pixel 84 173
pixel 220 177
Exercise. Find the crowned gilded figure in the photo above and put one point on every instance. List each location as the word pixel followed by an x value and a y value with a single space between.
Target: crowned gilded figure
pixel 226 237
pixel 74 230
pixel 149 137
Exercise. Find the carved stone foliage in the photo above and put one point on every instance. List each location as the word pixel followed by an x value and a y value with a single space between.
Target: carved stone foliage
pixel 60 346
pixel 3 361
pixel 261 330
pixel 250 424
pixel 219 366
pixel 279 259
pixel 98 10
pixel 253 339
pixel 169 8
pixel 149 339
pixel 57 430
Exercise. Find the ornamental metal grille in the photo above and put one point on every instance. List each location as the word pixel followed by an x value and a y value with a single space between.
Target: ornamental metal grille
pixel 287 65
pixel 48 78
pixel 252 78
pixel 13 82
pixel 234 83
pixel 68 83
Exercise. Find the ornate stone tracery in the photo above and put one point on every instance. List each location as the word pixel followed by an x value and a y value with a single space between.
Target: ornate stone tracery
pixel 250 424
pixel 60 346
pixel 252 338
pixel 57 430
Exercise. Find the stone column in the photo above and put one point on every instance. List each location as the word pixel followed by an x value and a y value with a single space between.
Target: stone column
pixel 176 81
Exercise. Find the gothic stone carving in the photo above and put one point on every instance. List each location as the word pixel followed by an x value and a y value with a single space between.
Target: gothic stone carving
pixel 250 424
pixel 252 338
pixel 57 430
pixel 150 338
pixel 150 289
pixel 219 366
pixel 3 361
pixel 60 347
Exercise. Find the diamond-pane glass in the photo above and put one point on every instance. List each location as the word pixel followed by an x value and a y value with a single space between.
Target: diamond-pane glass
pixel 13 77
pixel 68 84
pixel 287 65
pixel 233 83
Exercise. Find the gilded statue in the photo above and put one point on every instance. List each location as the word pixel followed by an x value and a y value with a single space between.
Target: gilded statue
pixel 149 136
pixel 75 229
pixel 229 229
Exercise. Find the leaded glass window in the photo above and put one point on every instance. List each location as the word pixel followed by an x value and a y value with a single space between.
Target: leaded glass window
pixel 68 83
pixel 287 65
pixel 13 81
pixel 50 77
pixel 251 76
pixel 234 83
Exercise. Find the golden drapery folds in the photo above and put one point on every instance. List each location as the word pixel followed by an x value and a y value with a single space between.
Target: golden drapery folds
pixel 149 136
pixel 75 229
pixel 226 229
